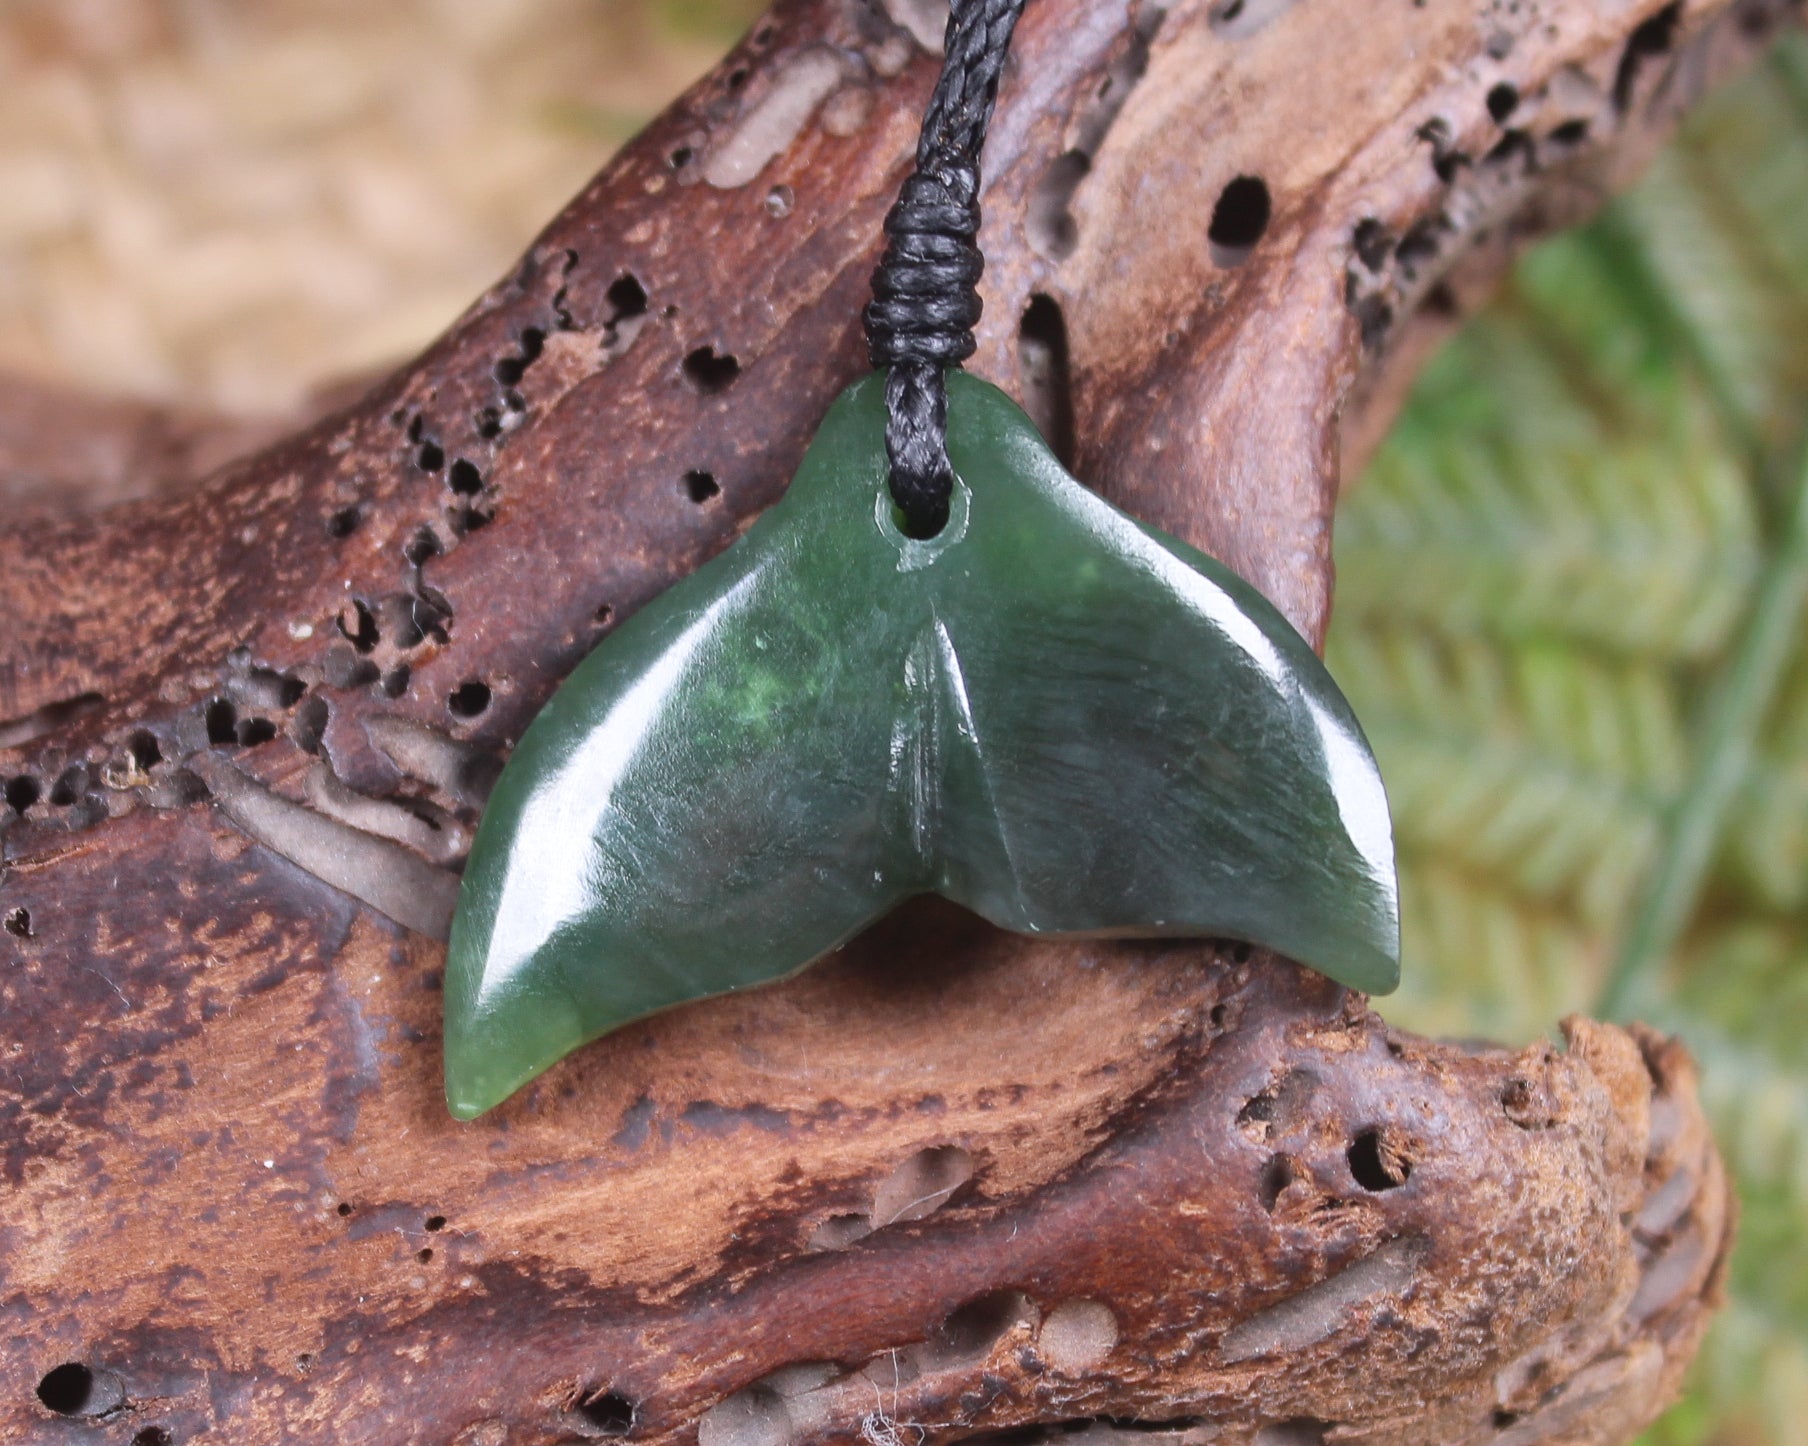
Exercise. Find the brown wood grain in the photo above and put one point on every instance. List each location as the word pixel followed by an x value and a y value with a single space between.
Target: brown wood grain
pixel 950 1182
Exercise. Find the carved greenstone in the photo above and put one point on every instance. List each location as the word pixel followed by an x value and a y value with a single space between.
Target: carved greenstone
pixel 1066 721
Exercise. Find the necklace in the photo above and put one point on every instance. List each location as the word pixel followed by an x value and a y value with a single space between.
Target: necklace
pixel 939 664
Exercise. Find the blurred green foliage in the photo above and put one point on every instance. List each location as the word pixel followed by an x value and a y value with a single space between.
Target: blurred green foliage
pixel 1570 613
pixel 654 30
pixel 722 20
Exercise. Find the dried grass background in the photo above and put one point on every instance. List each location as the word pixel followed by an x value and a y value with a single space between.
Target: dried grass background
pixel 230 201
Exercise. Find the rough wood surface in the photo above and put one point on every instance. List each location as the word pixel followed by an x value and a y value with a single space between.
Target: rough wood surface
pixel 951 1182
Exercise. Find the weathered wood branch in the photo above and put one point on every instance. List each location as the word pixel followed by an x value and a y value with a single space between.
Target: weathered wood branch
pixel 951 1182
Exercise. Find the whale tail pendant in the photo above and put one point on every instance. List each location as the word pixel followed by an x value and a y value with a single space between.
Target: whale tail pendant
pixel 1066 721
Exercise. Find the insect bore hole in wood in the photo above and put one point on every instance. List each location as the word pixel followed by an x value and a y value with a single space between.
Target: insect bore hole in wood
pixel 1653 37
pixel 610 1412
pixel 358 624
pixel 253 731
pixel 1238 220
pixel 309 726
pixel 65 1388
pixel 1042 356
pixel 146 752
pixel 1375 1166
pixel 70 785
pixel 468 700
pixel 627 297
pixel 222 719
pixel 423 547
pixel 464 478
pixel 74 1389
pixel 1277 1175
pixel 709 372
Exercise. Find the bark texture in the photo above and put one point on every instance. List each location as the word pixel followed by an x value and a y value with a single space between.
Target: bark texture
pixel 950 1182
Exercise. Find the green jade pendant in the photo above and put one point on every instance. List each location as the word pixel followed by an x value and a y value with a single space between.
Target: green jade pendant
pixel 1059 718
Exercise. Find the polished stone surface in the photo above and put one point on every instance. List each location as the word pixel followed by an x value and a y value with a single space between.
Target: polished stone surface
pixel 1067 722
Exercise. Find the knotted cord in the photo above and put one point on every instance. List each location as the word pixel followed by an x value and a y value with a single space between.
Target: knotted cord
pixel 925 298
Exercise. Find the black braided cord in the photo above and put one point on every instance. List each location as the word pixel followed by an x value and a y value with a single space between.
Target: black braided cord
pixel 925 298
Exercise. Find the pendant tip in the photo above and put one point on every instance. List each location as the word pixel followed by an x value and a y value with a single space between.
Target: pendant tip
pixel 463 1110
pixel 466 1103
pixel 470 1093
pixel 1377 970
pixel 1385 979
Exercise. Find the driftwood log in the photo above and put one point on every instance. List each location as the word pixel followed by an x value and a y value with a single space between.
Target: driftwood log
pixel 951 1182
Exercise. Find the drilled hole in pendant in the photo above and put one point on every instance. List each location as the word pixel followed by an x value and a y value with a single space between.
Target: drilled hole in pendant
pixel 920 552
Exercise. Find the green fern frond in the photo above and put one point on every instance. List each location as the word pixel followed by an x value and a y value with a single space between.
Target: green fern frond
pixel 1678 239
pixel 1546 583
pixel 1762 858
pixel 1522 967
pixel 1764 854
pixel 1524 765
pixel 1535 516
